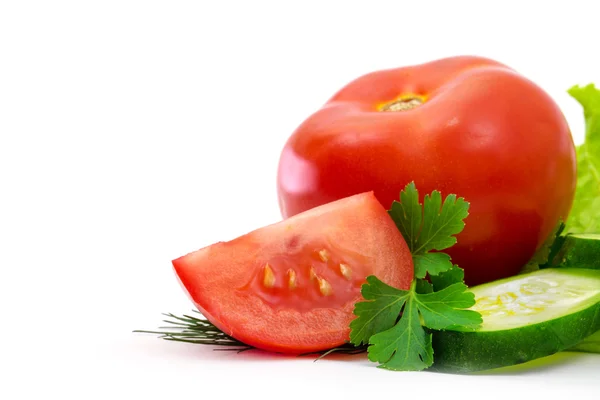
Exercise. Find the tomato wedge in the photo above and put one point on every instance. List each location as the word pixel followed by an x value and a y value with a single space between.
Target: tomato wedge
pixel 291 287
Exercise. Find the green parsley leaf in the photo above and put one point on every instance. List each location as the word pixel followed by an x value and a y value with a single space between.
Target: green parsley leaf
pixel 429 227
pixel 585 212
pixel 447 308
pixel 423 287
pixel 374 316
pixel 407 344
pixel 432 263
pixel 447 278
pixel 408 214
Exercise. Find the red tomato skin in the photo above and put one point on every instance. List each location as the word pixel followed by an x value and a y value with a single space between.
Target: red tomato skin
pixel 484 132
pixel 221 279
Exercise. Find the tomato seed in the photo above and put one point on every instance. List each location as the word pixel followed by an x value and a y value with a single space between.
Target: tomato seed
pixel 325 287
pixel 291 279
pixel 324 255
pixel 269 277
pixel 346 271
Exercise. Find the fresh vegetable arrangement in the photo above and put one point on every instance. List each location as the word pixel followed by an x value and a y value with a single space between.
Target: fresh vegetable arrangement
pixel 482 184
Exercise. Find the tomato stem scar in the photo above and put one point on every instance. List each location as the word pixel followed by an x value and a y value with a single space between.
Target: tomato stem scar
pixel 404 104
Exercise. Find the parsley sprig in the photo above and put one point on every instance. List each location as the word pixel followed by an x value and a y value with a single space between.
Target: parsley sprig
pixel 397 325
pixel 428 227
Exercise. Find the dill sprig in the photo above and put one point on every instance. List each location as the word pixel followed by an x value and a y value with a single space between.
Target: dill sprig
pixel 191 329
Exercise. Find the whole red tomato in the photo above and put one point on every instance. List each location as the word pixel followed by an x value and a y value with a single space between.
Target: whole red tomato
pixel 464 125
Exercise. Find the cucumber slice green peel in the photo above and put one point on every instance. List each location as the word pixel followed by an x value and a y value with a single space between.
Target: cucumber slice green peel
pixel 524 317
pixel 590 344
pixel 581 250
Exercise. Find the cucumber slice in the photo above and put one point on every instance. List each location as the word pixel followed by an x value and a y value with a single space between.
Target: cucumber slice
pixel 524 317
pixel 590 344
pixel 578 251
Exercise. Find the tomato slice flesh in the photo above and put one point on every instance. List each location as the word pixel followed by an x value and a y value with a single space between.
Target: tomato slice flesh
pixel 315 276
pixel 291 286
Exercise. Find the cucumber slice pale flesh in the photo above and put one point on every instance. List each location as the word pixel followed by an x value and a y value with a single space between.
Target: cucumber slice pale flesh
pixel 578 251
pixel 524 317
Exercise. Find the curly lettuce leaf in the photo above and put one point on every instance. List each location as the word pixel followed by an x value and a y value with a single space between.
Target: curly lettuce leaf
pixel 585 213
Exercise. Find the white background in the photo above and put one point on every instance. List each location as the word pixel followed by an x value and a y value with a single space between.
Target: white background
pixel 133 132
